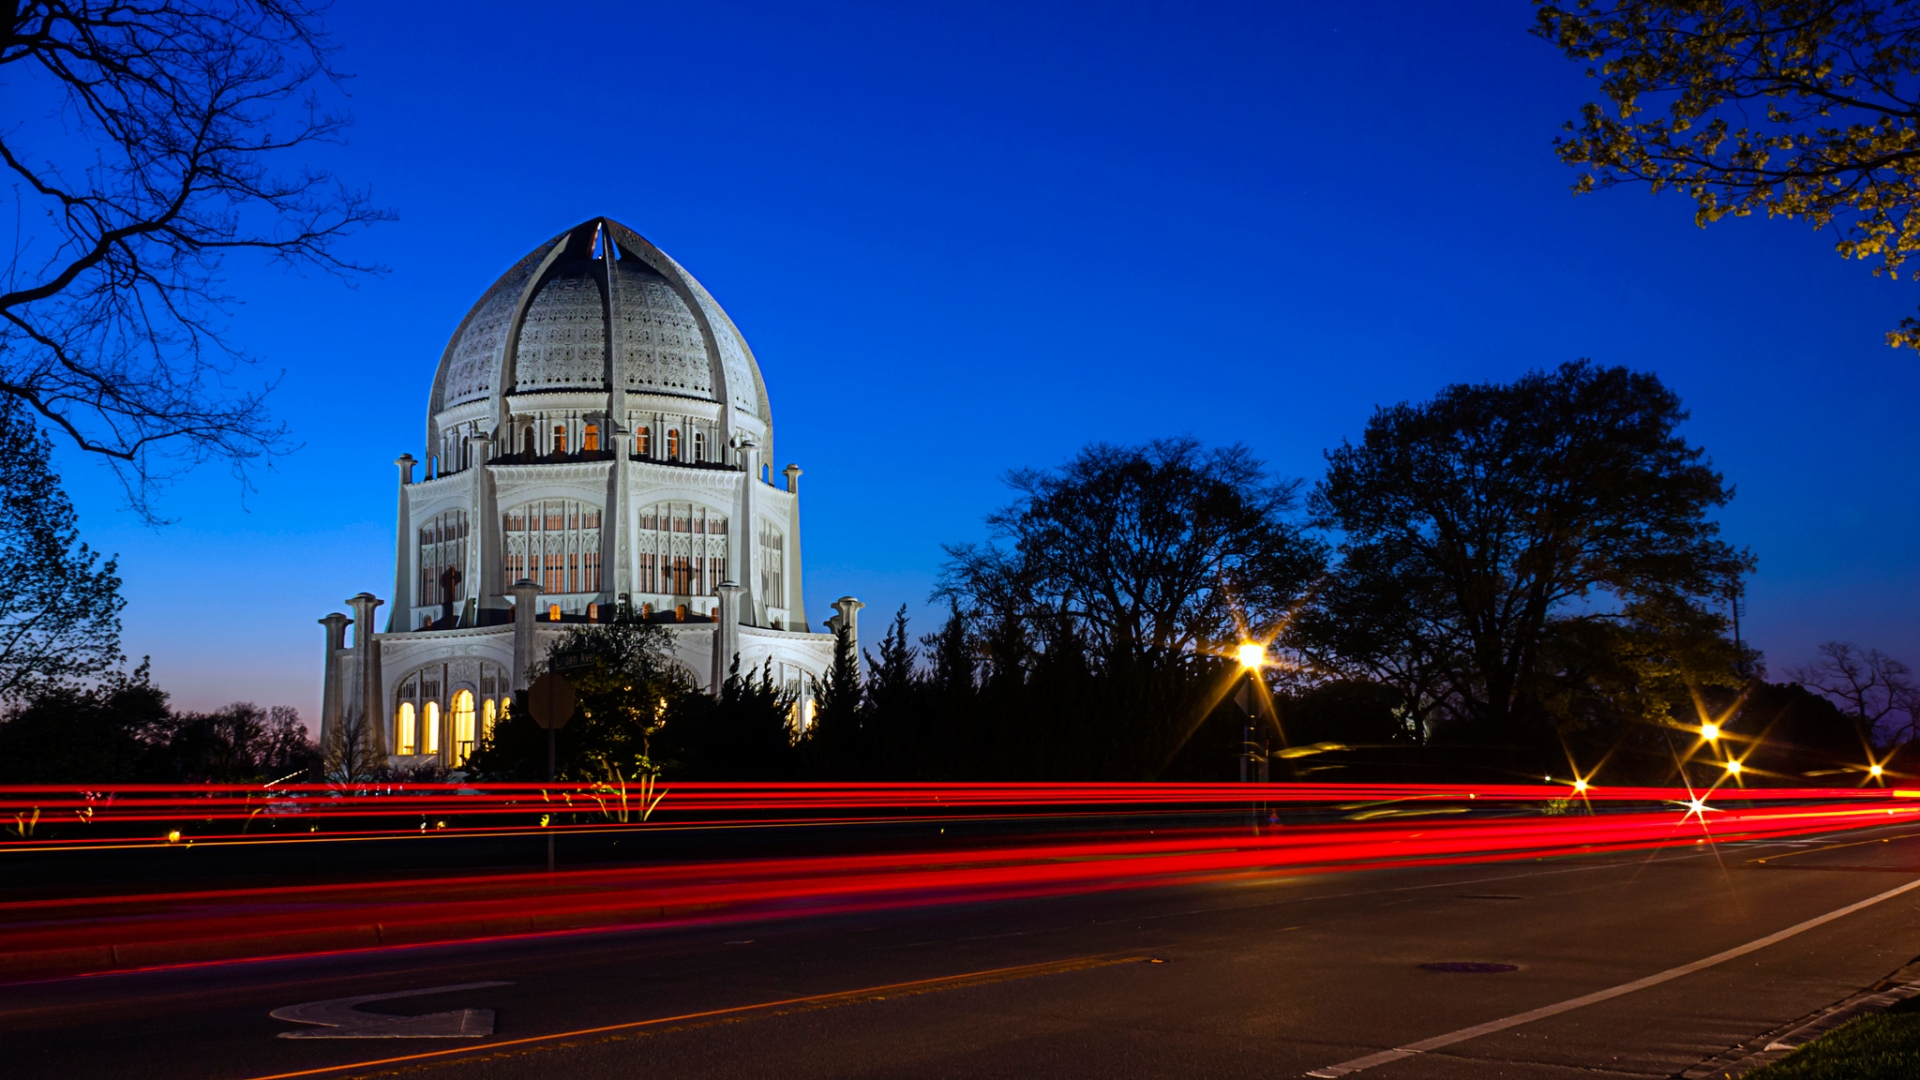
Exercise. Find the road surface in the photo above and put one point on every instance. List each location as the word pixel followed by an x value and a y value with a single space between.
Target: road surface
pixel 1281 977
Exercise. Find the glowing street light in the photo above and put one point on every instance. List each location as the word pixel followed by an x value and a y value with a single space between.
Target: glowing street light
pixel 1710 731
pixel 1252 656
pixel 1733 766
pixel 1875 770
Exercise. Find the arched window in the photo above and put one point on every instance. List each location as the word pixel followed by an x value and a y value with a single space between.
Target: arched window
pixel 463 726
pixel 487 717
pixel 699 447
pixel 559 438
pixel 555 542
pixel 443 559
pixel 673 444
pixel 682 551
pixel 591 440
pixel 643 441
pixel 526 441
pixel 403 729
pixel 430 728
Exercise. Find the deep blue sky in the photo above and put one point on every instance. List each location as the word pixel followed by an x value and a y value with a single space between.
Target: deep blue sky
pixel 968 239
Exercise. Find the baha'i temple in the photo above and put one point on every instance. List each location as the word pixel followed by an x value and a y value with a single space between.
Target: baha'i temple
pixel 598 439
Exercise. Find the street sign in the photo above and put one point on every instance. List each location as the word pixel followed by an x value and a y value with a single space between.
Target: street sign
pixel 552 699
pixel 576 660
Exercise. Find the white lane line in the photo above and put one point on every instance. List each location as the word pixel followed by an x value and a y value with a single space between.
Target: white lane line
pixel 1571 1004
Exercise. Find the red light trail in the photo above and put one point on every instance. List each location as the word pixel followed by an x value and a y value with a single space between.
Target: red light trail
pixel 1086 838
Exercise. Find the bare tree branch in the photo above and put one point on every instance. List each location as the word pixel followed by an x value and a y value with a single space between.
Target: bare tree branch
pixel 169 133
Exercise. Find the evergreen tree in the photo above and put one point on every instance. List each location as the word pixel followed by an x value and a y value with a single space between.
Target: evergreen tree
pixel 898 733
pixel 834 743
pixel 746 733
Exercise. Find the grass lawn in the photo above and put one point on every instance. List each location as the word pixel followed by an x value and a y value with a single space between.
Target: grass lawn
pixel 1885 1046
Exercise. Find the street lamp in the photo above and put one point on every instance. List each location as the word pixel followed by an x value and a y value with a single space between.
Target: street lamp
pixel 1252 656
pixel 1710 731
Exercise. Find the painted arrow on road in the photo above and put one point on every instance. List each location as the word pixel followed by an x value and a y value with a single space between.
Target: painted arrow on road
pixel 338 1018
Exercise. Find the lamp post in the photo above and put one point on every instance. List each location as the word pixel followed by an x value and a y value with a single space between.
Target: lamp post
pixel 1252 656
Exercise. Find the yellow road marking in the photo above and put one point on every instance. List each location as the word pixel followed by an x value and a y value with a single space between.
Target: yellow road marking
pixel 843 997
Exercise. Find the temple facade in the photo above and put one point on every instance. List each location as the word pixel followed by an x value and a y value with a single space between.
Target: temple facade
pixel 598 439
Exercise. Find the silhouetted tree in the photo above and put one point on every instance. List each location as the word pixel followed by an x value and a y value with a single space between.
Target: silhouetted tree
pixel 143 148
pixel 627 692
pixel 59 604
pixel 1111 580
pixel 239 744
pixel 833 745
pixel 1546 545
pixel 1876 690
pixel 97 733
pixel 744 733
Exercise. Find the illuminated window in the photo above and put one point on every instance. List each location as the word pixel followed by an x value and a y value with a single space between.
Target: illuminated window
pixel 463 727
pixel 443 559
pixel 488 715
pixel 554 543
pixel 591 440
pixel 430 728
pixel 403 729
pixel 673 445
pixel 643 441
pixel 553 612
pixel 559 438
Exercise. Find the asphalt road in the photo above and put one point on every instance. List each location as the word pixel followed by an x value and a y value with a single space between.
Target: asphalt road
pixel 1269 979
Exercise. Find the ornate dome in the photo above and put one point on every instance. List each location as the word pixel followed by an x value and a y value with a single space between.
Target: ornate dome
pixel 545 326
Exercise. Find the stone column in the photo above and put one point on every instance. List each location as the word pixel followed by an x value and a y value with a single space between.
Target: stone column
pixel 483 530
pixel 336 625
pixel 742 533
pixel 796 603
pixel 365 702
pixel 526 597
pixel 616 558
pixel 403 553
pixel 849 616
pixel 726 635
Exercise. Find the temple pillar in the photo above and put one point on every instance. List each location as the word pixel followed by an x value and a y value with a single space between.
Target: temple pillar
pixel 330 702
pixel 741 533
pixel 403 552
pixel 364 708
pixel 794 601
pixel 849 617
pixel 726 635
pixel 483 532
pixel 616 558
pixel 526 599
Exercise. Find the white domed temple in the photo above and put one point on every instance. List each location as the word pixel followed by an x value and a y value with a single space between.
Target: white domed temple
pixel 597 441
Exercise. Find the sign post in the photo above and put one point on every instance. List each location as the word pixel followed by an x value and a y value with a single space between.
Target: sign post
pixel 552 699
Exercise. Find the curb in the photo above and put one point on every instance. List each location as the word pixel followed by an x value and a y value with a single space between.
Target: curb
pixel 1781 1041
